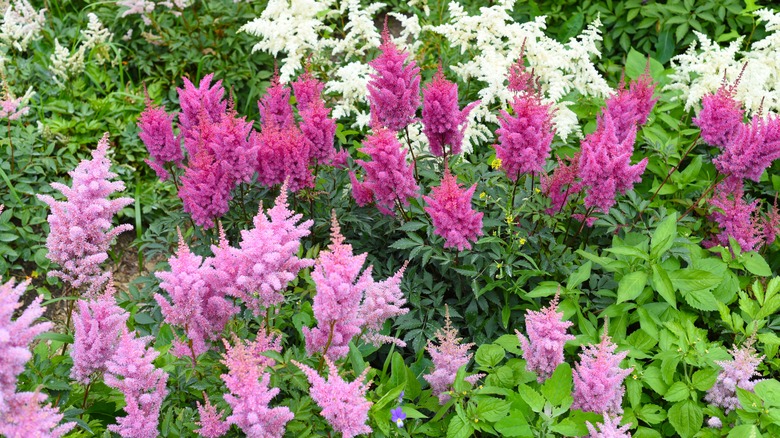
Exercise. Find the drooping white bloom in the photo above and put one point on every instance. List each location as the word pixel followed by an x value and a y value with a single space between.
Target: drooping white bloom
pixel 351 83
pixel 95 34
pixel 704 66
pixel 361 34
pixel 409 38
pixel 65 65
pixel 20 24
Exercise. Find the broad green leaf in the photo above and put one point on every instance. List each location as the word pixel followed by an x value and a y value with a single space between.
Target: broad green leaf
pixel 745 431
pixel 663 285
pixel 489 355
pixel 631 286
pixel 514 426
pixel 458 428
pixel 704 379
pixel 580 275
pixel 491 409
pixel 652 414
pixel 628 251
pixel 636 64
pixel 664 236
pixel 558 386
pixel 687 280
pixel 686 417
pixel 677 392
pixel 748 400
pixel 530 396
pixel 702 300
pixel 756 264
pixel 769 391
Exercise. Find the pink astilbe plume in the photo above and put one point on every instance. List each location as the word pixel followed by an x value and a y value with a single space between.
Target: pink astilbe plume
pixel 233 147
pixel 770 224
pixel 598 378
pixel 283 155
pixel 561 185
pixel 736 373
pixel 275 109
pixel 156 127
pixel 389 178
pixel 443 120
pixel 543 349
pixel 195 304
pixel 447 359
pixel 319 130
pixel 394 90
pixel 721 116
pixel 343 404
pixel 211 423
pixel 610 428
pixel 249 387
pixel 522 80
pixel 98 324
pixel 750 150
pixel 132 372
pixel 524 138
pixel 453 217
pixel 383 300
pixel 266 260
pixel 340 289
pixel 736 218
pixel 631 107
pixel 80 227
pixel 308 91
pixel 21 413
pixel 205 101
pixel 205 189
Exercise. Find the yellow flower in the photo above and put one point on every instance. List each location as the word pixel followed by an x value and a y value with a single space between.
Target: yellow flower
pixel 510 219
pixel 496 164
pixel 522 241
pixel 537 190
pixel 482 195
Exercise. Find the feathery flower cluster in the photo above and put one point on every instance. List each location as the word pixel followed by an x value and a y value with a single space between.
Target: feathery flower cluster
pixel 21 413
pixel 389 178
pixel 96 37
pixel 266 261
pixel 12 108
pixel 453 217
pixel 131 371
pixel 736 218
pixel 447 359
pixel 211 423
pixel 249 387
pixel 64 64
pixel 146 7
pixel 443 120
pixel 610 428
pixel 20 24
pixel 156 127
pixel 383 300
pixel 561 185
pixel 543 350
pixel 736 373
pixel 317 127
pixel 721 116
pixel 343 404
pixel 284 156
pixel 394 90
pixel 275 109
pixel 98 324
pixel 605 161
pixel 598 378
pixel 197 303
pixel 80 227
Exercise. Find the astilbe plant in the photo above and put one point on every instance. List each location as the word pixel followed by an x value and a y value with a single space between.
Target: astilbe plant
pixel 448 357
pixel 721 116
pixel 443 121
pixel 211 423
pixel 248 384
pixel 196 303
pixel 205 189
pixel 383 300
pixel 735 373
pixel 736 217
pixel 80 227
pixel 283 156
pixel 610 428
pixel 22 414
pixel 343 404
pixel 543 349
pixel 275 109
pixel 389 179
pixel 453 217
pixel 204 100
pixel 562 184
pixel 266 260
pixel 394 88
pixel 156 131
pixel 131 371
pixel 598 378
pixel 318 128
pixel 98 325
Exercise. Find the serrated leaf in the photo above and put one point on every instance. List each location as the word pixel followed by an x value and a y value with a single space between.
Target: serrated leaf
pixel 686 417
pixel 514 426
pixel 663 285
pixel 702 300
pixel 491 409
pixel 459 428
pixel 755 264
pixel 489 355
pixel 677 392
pixel 769 391
pixel 558 386
pixel 687 280
pixel 631 286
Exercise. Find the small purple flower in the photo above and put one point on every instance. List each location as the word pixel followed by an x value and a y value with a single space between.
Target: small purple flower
pixel 398 416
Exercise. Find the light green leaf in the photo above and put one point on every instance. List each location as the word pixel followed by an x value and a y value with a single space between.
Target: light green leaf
pixel 677 392
pixel 686 417
pixel 664 236
pixel 458 428
pixel 631 286
pixel 687 280
pixel 702 300
pixel 558 386
pixel 491 409
pixel 769 391
pixel 514 426
pixel 489 355
pixel 745 431
pixel 756 264
pixel 663 285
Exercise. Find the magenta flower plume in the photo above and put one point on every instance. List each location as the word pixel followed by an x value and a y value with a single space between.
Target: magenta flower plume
pixel 736 218
pixel 610 428
pixel 522 80
pixel 736 373
pixel 249 387
pixel 770 224
pixel 195 305
pixel 751 149
pixel 453 217
pixel 205 101
pixel 319 130
pixel 266 260
pixel 156 127
pixel 394 90
pixel 211 423
pixel 543 350
pixel 388 176
pixel 233 148
pixel 80 227
pixel 561 185
pixel 340 288
pixel 524 138
pixel 132 372
pixel 362 193
pixel 283 155
pixel 447 359
pixel 275 109
pixel 605 164
pixel 598 378
pixel 25 417
pixel 308 91
pixel 443 120
pixel 631 107
pixel 98 324
pixel 720 117
pixel 343 404
pixel 383 300
pixel 205 189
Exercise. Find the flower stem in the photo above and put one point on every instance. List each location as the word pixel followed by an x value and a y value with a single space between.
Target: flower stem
pixel 327 346
pixel 409 145
pixel 706 192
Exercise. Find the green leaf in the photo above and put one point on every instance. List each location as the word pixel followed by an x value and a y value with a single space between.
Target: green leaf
pixel 704 379
pixel 636 64
pixel 558 386
pixel 652 414
pixel 745 431
pixel 491 409
pixel 580 275
pixel 664 236
pixel 686 417
pixel 514 426
pixel 702 300
pixel 458 428
pixel 663 285
pixel 769 391
pixel 489 355
pixel 677 392
pixel 755 264
pixel 530 396
pixel 748 400
pixel 631 286
pixel 687 280
pixel 665 46
pixel 629 251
